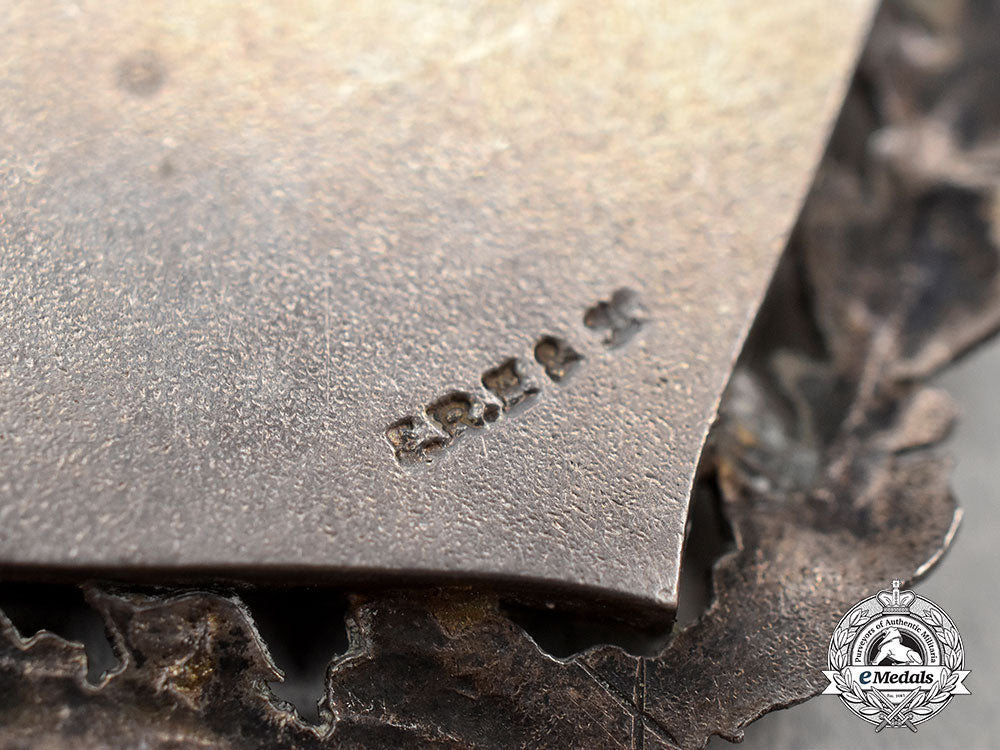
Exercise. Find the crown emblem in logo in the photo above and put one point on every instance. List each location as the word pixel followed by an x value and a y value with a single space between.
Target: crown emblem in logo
pixel 895 603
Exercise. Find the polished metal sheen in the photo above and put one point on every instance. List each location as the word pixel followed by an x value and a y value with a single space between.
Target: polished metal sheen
pixel 376 289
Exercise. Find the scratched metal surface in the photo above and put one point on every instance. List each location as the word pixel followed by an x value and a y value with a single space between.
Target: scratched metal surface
pixel 239 242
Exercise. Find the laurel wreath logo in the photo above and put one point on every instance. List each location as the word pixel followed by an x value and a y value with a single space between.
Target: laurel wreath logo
pixel 869 702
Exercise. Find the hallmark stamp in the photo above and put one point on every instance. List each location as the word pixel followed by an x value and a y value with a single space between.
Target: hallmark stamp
pixel 507 387
pixel 616 318
pixel 508 383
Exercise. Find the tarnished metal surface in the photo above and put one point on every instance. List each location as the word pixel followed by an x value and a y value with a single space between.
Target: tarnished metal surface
pixel 387 287
pixel 826 461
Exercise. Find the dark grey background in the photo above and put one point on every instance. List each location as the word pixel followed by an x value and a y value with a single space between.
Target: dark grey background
pixel 964 584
